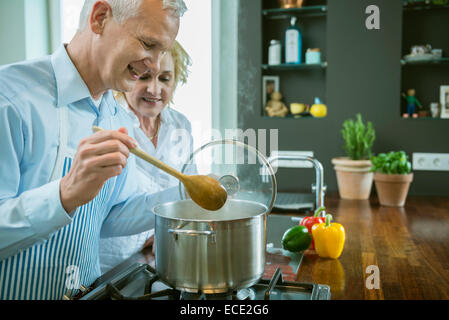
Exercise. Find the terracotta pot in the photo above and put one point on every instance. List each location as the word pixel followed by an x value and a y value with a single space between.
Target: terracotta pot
pixel 392 189
pixel 354 178
pixel 287 4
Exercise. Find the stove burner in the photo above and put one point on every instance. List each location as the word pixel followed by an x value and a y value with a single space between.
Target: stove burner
pixel 246 294
pixel 142 283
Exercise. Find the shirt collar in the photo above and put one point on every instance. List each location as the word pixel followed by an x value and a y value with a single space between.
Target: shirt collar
pixel 69 84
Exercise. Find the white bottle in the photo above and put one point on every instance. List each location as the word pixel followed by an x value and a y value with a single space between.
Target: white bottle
pixel 293 43
pixel 274 53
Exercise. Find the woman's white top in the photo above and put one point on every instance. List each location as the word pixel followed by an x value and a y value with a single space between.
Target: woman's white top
pixel 175 144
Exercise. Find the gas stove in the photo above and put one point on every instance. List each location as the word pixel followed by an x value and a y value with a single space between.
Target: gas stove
pixel 141 282
pixel 137 280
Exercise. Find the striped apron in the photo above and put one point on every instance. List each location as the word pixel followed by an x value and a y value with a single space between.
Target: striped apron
pixel 58 266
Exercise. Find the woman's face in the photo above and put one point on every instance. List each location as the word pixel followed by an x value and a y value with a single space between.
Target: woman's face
pixel 152 93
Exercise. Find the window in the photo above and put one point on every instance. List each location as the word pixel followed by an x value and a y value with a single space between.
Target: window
pixel 194 99
pixel 70 13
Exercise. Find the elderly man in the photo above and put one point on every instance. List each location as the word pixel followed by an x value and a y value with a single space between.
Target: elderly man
pixel 62 186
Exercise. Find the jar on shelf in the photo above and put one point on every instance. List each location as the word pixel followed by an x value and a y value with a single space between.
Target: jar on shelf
pixel 274 52
pixel 313 56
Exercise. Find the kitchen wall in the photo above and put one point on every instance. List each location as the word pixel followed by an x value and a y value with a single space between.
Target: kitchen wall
pixel 363 76
pixel 24 30
pixel 12 31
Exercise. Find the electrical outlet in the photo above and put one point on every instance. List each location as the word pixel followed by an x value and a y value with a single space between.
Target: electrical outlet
pixel 431 161
pixel 292 163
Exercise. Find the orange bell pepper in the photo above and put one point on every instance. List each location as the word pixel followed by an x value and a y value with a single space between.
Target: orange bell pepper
pixel 329 238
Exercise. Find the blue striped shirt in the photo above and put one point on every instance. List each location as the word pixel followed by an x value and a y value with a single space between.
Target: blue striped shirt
pixel 30 206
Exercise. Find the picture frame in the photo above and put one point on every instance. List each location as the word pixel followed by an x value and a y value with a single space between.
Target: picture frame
pixel 444 102
pixel 270 84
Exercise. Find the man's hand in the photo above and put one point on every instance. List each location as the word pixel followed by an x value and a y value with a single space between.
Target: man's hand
pixel 99 157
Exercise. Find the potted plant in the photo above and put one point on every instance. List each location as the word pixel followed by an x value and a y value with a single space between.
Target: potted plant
pixel 392 178
pixel 354 175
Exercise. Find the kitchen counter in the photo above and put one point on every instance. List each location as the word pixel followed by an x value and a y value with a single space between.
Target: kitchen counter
pixel 409 246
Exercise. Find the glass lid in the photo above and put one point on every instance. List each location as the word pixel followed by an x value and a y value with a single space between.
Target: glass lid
pixel 241 169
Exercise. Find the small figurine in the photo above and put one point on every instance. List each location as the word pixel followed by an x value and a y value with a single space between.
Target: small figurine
pixel 412 102
pixel 275 107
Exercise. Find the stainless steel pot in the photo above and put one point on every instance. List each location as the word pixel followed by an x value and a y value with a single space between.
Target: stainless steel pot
pixel 216 252
pixel 210 252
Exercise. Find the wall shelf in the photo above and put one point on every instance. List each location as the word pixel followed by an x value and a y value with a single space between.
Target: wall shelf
pixel 293 117
pixel 294 67
pixel 307 11
pixel 425 62
pixel 424 118
pixel 422 6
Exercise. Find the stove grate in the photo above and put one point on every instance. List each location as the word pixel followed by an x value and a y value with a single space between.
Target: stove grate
pixel 150 283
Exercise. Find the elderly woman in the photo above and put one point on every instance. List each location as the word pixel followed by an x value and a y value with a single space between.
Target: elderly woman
pixel 160 131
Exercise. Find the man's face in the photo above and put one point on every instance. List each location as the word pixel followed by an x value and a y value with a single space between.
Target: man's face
pixel 126 52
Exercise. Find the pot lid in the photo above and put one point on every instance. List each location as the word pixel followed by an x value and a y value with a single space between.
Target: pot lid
pixel 241 169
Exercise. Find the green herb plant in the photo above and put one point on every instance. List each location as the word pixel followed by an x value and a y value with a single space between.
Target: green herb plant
pixel 358 138
pixel 391 163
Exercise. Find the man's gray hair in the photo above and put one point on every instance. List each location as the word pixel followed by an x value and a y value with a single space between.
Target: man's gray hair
pixel 125 9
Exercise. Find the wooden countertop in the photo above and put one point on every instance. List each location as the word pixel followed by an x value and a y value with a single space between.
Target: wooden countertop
pixel 409 246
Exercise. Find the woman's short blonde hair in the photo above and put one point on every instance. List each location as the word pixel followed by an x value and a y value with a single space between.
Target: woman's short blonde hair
pixel 182 62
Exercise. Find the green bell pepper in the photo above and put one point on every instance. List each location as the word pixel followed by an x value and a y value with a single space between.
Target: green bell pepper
pixel 296 239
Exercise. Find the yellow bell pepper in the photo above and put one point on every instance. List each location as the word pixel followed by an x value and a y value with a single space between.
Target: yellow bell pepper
pixel 329 238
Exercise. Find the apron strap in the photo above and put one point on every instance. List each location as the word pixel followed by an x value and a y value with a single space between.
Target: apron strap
pixel 63 124
pixel 63 151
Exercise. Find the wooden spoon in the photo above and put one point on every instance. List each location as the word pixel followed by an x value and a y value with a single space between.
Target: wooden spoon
pixel 205 191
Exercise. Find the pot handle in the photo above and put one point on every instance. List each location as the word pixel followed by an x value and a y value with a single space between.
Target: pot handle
pixel 192 232
pixel 195 233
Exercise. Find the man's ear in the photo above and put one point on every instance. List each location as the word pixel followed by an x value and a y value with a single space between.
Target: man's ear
pixel 101 13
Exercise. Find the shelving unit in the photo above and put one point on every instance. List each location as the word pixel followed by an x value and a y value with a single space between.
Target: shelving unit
pixel 299 83
pixel 424 23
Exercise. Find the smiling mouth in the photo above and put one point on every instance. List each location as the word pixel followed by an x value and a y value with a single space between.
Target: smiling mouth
pixel 150 100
